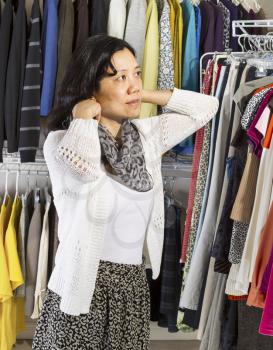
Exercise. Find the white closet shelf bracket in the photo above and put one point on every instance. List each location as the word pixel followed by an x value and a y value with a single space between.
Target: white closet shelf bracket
pixel 240 27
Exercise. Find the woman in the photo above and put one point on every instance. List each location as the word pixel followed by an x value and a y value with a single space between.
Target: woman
pixel 105 169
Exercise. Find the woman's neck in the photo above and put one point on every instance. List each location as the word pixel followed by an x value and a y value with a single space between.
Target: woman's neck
pixel 113 126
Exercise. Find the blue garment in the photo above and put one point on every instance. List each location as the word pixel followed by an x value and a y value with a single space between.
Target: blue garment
pixel 198 23
pixel 190 59
pixel 50 53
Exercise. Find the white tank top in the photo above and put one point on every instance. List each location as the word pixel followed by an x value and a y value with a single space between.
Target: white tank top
pixel 126 230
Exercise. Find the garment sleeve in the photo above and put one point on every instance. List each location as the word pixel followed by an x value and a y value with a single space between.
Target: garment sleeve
pixel 76 150
pixel 187 112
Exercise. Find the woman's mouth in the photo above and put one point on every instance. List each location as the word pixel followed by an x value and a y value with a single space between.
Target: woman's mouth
pixel 133 103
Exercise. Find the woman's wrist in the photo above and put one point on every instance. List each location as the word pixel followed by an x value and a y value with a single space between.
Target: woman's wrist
pixel 157 97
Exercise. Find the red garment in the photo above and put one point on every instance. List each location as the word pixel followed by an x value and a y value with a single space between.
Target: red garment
pixel 237 297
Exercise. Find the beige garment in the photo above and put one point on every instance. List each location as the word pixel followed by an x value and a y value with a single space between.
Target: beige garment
pixel 117 18
pixel 32 255
pixel 41 280
pixel 243 205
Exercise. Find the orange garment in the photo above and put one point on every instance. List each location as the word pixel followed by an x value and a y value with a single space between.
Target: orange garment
pixel 263 88
pixel 268 135
pixel 255 296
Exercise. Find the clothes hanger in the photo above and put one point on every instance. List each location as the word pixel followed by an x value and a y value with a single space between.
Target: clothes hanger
pixel 17 184
pixel 36 190
pixel 6 187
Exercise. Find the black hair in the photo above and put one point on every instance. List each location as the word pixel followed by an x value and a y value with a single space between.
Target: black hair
pixel 88 65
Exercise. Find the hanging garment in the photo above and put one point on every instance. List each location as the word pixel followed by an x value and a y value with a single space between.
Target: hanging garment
pixel 190 55
pixel 41 279
pixel 242 208
pixel 248 329
pixel 121 304
pixel 6 292
pixel 235 161
pixel 135 27
pixel 221 248
pixel 207 28
pixel 81 31
pixel 219 92
pixel 255 296
pixel 5 287
pixel 166 65
pixel 260 210
pixel 205 176
pixel 193 184
pixel 234 15
pixel 229 327
pixel 30 110
pixel 150 58
pixel 98 16
pixel 218 42
pixel 202 174
pixel 65 39
pixel 191 294
pixel 210 286
pixel 15 78
pixel 27 208
pixel 32 255
pixel 117 18
pixel 171 274
pixel 12 309
pixel 177 39
pixel 53 238
pixel 227 25
pixel 212 334
pixel 50 55
pixel 198 25
pixel 266 276
pixel 255 137
pixel 5 41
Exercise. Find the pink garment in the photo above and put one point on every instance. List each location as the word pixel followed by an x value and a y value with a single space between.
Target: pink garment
pixel 266 325
pixel 266 276
pixel 262 123
pixel 254 135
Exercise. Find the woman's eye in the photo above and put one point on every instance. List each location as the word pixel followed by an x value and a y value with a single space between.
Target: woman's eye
pixel 122 77
pixel 138 73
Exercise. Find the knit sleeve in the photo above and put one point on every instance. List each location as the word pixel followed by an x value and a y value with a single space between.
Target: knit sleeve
pixel 76 150
pixel 187 112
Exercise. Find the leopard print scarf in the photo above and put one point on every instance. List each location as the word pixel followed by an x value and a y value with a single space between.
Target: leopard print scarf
pixel 124 161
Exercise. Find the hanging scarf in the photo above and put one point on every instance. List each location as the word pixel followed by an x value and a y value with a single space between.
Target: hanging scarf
pixel 124 160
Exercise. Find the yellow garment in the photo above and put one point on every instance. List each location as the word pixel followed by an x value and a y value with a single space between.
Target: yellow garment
pixel 150 57
pixel 5 286
pixel 12 320
pixel 176 22
pixel 172 21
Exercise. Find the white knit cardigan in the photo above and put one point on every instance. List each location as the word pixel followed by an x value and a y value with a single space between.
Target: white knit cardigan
pixel 83 197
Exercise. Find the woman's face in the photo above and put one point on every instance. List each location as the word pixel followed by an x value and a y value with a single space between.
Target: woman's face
pixel 120 95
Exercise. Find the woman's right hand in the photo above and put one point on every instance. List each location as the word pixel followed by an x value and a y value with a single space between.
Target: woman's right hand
pixel 87 109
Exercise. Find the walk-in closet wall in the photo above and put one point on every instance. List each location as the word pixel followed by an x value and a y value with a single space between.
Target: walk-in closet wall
pixel 267 6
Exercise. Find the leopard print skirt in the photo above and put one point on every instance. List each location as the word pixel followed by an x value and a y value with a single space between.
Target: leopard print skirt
pixel 119 315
